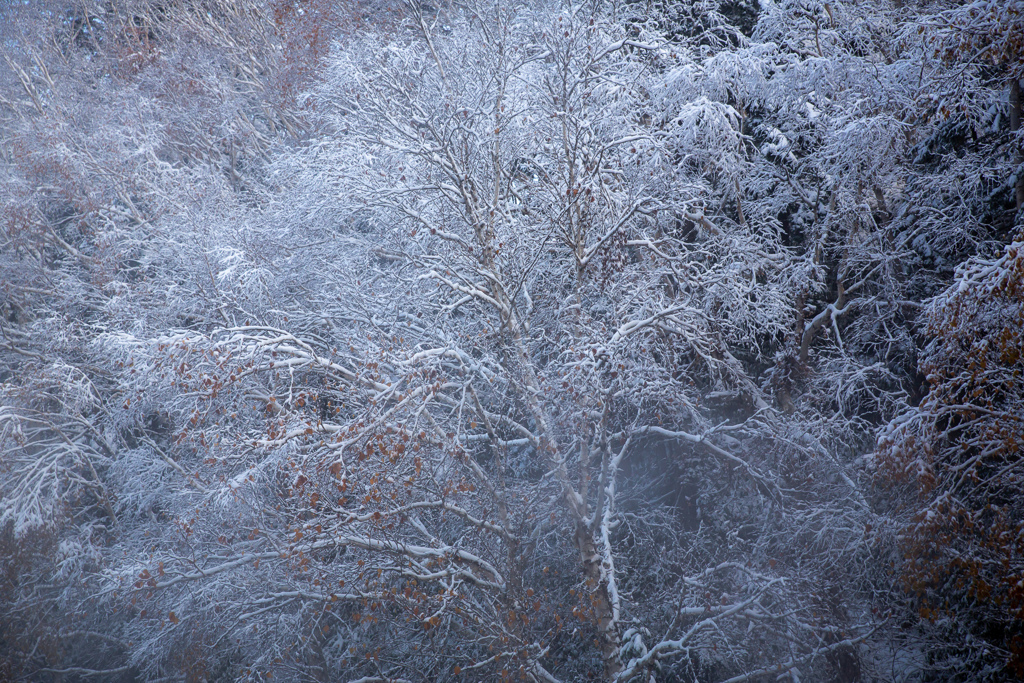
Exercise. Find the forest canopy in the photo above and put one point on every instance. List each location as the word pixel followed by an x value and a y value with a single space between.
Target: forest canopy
pixel 553 340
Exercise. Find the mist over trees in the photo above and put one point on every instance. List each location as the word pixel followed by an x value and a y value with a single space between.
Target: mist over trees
pixel 485 341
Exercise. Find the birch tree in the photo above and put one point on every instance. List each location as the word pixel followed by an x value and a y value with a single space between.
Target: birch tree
pixel 499 278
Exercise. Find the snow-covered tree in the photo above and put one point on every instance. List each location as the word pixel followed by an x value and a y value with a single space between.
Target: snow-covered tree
pixel 500 279
pixel 952 467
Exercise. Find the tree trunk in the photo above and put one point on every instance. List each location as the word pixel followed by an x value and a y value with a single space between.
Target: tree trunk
pixel 601 602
